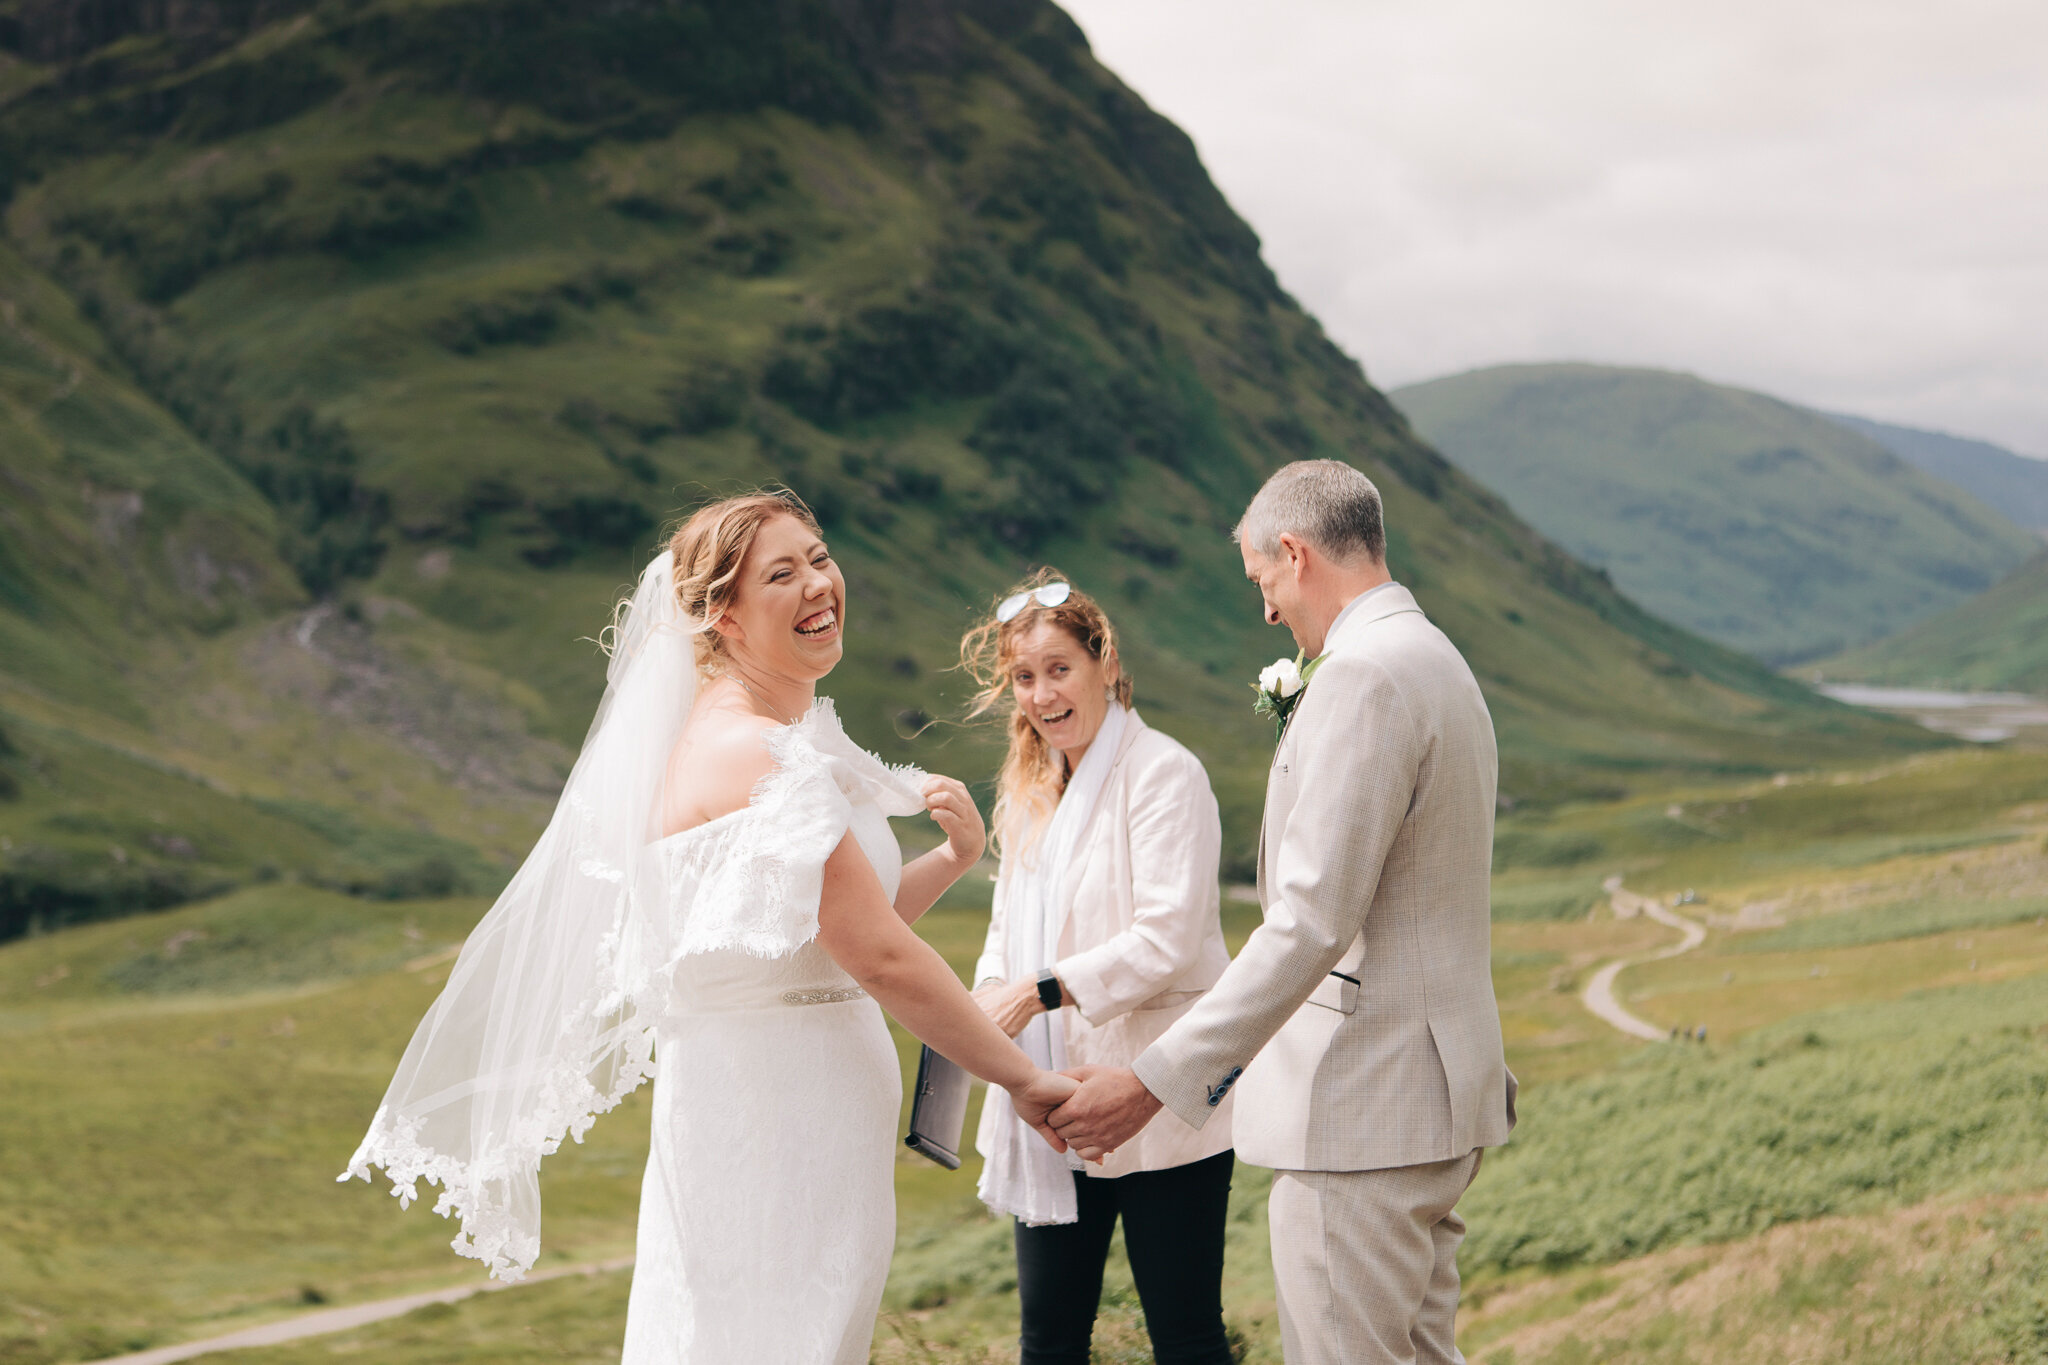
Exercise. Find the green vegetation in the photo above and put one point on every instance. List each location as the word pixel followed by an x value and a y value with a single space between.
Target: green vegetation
pixel 1942 1282
pixel 350 368
pixel 1840 1112
pixel 1793 825
pixel 1541 897
pixel 1757 524
pixel 1995 642
pixel 95 832
pixel 1898 920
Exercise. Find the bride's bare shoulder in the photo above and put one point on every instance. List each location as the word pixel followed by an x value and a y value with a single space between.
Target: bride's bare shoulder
pixel 718 760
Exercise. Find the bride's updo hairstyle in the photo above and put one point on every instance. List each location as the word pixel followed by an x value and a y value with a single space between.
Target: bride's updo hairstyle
pixel 1034 773
pixel 708 551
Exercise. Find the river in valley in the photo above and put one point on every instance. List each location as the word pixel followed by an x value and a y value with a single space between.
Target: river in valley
pixel 1986 717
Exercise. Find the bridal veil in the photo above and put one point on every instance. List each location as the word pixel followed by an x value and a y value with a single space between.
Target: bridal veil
pixel 547 1019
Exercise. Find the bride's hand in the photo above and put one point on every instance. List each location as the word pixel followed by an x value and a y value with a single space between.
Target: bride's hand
pixel 947 800
pixel 1035 1101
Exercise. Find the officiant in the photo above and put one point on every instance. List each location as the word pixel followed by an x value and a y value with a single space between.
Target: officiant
pixel 1104 931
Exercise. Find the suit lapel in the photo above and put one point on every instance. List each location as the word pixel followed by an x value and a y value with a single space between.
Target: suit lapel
pixel 1391 600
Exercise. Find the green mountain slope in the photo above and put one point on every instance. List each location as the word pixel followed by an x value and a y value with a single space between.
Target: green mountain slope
pixel 1996 641
pixel 173 724
pixel 1755 523
pixel 1995 476
pixel 473 296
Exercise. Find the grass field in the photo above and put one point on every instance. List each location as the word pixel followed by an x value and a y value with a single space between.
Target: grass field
pixel 182 1087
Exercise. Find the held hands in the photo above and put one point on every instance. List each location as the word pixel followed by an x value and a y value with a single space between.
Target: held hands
pixel 1038 1097
pixel 1106 1111
pixel 947 800
pixel 1010 1005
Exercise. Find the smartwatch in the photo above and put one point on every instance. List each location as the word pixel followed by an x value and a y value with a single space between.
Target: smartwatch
pixel 1049 990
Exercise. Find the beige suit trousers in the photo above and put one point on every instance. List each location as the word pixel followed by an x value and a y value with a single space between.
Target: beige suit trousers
pixel 1366 1263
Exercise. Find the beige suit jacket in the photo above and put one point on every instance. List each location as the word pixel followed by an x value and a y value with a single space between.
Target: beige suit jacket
pixel 1140 939
pixel 1361 1015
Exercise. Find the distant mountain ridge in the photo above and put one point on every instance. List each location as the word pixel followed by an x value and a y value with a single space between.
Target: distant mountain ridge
pixel 2015 484
pixel 1995 642
pixel 400 329
pixel 1754 522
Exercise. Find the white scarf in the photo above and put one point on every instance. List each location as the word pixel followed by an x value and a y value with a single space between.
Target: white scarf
pixel 1024 1176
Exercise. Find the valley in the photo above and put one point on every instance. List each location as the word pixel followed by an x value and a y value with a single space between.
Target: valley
pixel 349 373
pixel 1871 985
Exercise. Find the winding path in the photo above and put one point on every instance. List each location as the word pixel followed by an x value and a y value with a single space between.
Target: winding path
pixel 1599 993
pixel 343 1319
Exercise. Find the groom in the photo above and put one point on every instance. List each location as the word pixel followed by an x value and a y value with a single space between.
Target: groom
pixel 1366 997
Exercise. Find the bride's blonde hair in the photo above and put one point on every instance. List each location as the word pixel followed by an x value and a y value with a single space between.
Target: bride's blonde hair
pixel 707 552
pixel 1033 774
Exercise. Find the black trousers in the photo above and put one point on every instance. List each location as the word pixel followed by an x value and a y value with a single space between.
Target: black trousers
pixel 1173 1230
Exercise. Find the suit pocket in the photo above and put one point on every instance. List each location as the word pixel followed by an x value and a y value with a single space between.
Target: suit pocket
pixel 1334 992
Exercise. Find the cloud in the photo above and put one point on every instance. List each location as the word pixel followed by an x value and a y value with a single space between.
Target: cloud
pixel 1845 204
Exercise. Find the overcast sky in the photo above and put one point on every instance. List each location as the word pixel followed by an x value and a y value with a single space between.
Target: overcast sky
pixel 1841 202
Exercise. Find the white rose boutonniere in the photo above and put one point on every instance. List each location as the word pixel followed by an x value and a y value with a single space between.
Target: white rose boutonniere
pixel 1279 687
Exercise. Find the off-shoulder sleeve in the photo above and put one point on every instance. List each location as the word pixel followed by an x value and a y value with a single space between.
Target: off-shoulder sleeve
pixel 756 888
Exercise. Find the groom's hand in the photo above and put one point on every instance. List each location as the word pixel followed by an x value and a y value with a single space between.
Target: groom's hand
pixel 1106 1112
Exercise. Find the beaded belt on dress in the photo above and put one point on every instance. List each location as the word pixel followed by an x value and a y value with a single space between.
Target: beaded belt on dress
pixel 822 995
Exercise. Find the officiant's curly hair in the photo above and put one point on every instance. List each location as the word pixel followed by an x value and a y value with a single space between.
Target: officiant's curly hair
pixel 708 551
pixel 1033 774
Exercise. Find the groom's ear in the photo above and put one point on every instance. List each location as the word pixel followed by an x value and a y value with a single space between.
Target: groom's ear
pixel 1295 551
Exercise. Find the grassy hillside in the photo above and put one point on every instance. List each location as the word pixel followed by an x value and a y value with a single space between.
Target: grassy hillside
pixel 442 309
pixel 172 719
pixel 1949 1281
pixel 2015 484
pixel 1750 521
pixel 1995 642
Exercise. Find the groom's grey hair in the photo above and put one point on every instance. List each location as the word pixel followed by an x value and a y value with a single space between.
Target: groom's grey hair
pixel 1326 503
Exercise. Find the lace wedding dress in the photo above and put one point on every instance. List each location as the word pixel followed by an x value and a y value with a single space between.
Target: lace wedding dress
pixel 768 1212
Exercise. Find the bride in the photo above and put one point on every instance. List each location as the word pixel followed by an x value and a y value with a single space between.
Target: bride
pixel 719 892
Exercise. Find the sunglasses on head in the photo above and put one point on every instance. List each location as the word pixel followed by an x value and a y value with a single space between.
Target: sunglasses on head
pixel 1051 595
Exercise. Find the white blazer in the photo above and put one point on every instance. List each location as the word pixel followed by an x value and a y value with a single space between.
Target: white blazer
pixel 1140 939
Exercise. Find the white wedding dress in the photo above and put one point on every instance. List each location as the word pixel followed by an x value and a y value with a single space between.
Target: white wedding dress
pixel 768 1212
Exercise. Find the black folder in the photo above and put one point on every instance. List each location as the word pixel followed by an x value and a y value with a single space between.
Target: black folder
pixel 938 1109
